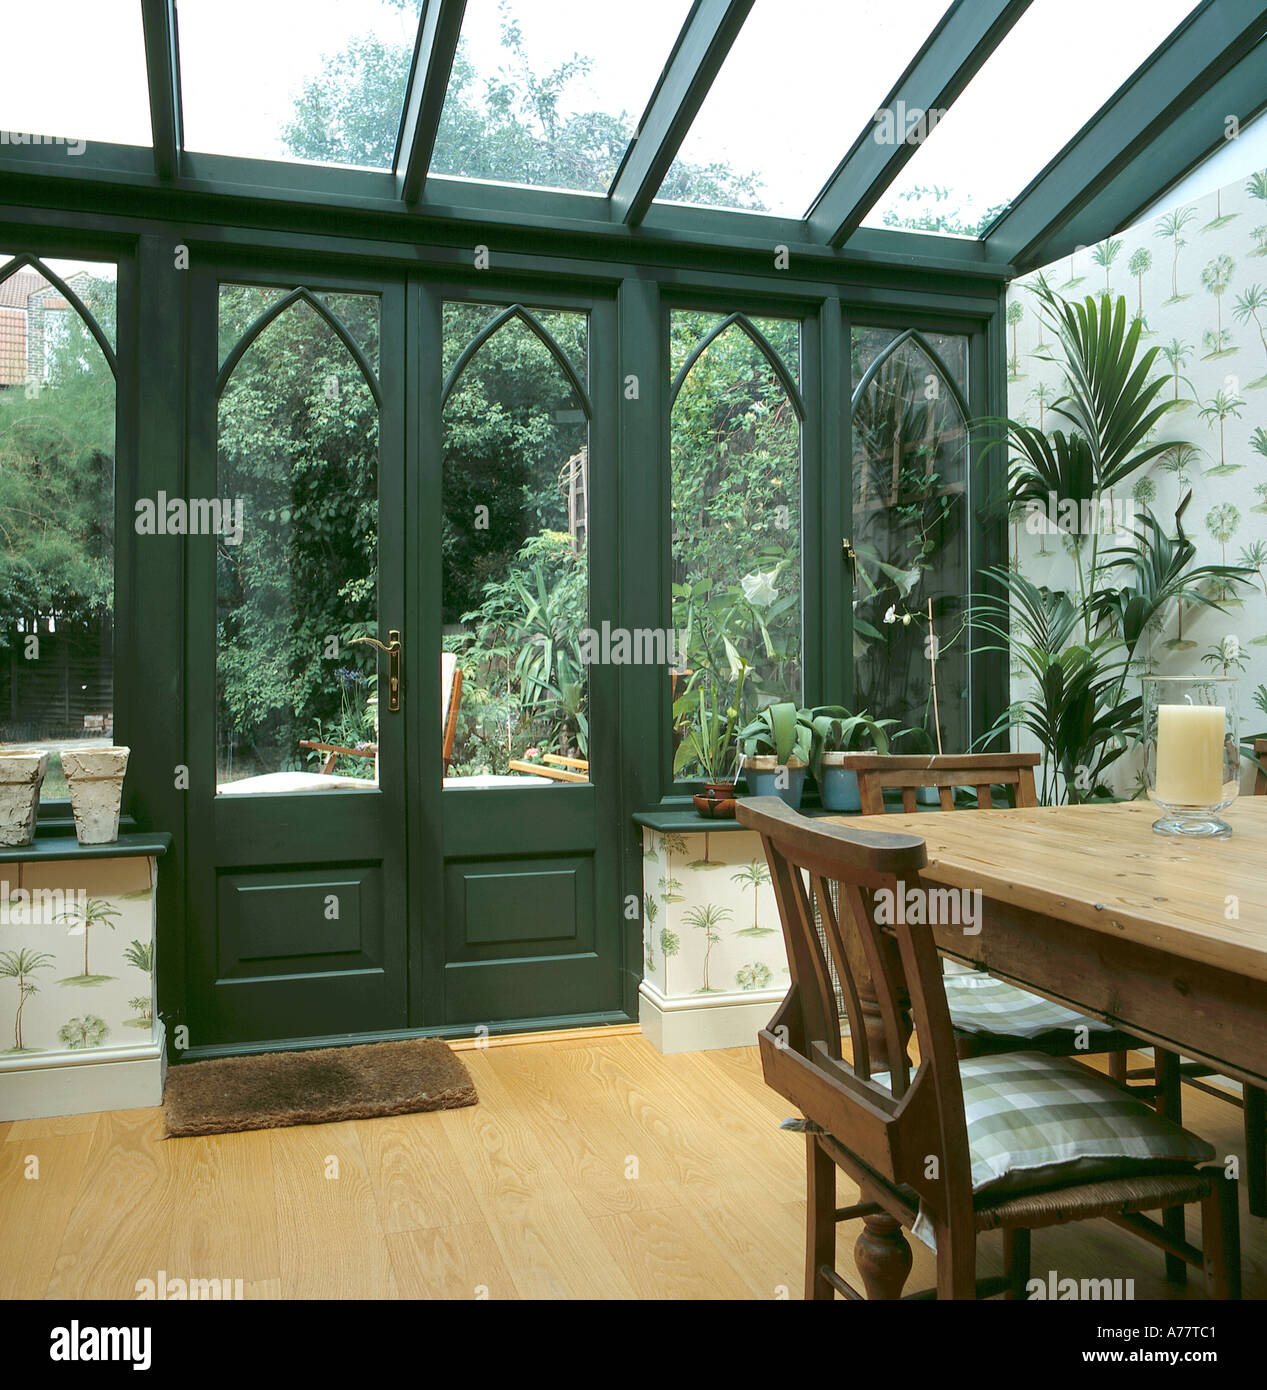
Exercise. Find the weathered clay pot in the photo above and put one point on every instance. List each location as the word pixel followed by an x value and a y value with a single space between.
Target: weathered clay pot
pixel 716 801
pixel 95 779
pixel 21 777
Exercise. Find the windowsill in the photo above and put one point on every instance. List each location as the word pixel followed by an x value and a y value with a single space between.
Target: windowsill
pixel 49 847
pixel 677 814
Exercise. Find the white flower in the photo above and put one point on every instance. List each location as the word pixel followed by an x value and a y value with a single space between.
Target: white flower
pixel 759 588
pixel 891 615
pixel 906 620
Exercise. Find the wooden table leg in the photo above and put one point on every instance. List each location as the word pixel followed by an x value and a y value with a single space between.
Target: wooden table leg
pixel 883 1256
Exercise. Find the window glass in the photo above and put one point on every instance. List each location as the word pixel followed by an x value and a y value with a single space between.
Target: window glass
pixel 517 485
pixel 317 80
pixel 57 439
pixel 549 92
pixel 736 547
pixel 911 533
pixel 73 73
pixel 296 551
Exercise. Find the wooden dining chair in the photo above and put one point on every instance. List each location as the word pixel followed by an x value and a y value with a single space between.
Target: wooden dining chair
pixel 991 1015
pixel 1012 1142
pixel 1013 772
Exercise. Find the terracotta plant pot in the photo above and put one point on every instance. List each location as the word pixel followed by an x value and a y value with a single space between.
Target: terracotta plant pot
pixel 716 801
pixel 95 779
pixel 21 777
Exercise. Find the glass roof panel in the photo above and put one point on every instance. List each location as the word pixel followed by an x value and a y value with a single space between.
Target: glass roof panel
pixel 549 92
pixel 74 70
pixel 799 85
pixel 997 137
pixel 315 80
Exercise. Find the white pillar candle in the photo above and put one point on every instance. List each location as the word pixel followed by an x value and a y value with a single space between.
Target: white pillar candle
pixel 1190 754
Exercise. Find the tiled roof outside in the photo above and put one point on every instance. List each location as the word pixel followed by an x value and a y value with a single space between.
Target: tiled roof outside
pixel 17 288
pixel 12 346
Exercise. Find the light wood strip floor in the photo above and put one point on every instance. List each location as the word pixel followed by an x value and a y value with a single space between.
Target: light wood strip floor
pixel 592 1168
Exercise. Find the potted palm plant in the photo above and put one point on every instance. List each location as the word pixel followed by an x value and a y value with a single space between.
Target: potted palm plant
pixel 836 734
pixel 708 728
pixel 776 747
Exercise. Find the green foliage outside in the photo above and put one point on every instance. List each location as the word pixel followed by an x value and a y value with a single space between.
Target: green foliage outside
pixel 736 470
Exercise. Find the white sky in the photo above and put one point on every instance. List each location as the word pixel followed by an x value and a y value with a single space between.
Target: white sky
pixel 802 81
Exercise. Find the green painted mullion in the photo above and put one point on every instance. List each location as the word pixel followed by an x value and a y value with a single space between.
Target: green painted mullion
pixel 199 649
pixel 424 505
pixel 439 28
pixel 987 394
pixel 162 66
pixel 644 568
pixel 814 526
pixel 616 935
pixel 836 625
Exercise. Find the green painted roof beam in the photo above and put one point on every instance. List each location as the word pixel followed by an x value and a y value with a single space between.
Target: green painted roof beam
pixel 1156 110
pixel 710 29
pixel 1171 154
pixel 951 57
pixel 162 65
pixel 439 29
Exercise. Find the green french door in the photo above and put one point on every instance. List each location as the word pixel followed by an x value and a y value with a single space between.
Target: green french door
pixel 517 558
pixel 389 483
pixel 298 896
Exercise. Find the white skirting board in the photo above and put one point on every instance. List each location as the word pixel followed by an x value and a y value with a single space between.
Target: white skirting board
pixel 36 1086
pixel 700 1023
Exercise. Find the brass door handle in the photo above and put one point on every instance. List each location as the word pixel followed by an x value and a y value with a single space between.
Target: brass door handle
pixel 392 648
pixel 850 556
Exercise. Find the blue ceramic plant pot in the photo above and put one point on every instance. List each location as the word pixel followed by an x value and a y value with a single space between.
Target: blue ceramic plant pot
pixel 788 783
pixel 839 789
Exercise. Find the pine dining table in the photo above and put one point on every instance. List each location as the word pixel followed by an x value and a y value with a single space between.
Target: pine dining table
pixel 1164 938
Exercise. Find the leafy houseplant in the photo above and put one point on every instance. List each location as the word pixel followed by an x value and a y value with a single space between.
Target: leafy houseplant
pixel 708 727
pixel 837 733
pixel 1078 645
pixel 776 747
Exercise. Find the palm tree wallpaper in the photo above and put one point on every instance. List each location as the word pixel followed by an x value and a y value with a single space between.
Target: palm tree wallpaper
pixel 1197 277
pixel 713 926
pixel 103 940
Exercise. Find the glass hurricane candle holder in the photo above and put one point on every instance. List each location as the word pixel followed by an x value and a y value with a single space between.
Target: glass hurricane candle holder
pixel 1192 755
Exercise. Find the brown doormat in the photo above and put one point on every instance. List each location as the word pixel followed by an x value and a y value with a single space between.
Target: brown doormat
pixel 273 1089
